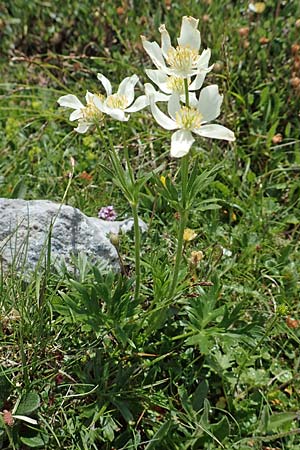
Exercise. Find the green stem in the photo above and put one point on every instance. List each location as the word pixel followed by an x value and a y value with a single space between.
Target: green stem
pixel 186 91
pixel 182 223
pixel 183 210
pixel 137 251
pixel 129 191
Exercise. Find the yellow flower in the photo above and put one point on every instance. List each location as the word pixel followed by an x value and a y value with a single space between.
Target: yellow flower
pixel 189 235
pixel 163 180
pixel 257 7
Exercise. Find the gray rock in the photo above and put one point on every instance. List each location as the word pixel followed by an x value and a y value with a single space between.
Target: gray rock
pixel 25 233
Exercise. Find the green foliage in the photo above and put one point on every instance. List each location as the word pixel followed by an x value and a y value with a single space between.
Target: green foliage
pixel 216 366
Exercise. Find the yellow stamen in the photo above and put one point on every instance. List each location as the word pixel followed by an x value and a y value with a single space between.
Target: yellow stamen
pixel 188 118
pixel 90 112
pixel 182 59
pixel 117 101
pixel 176 84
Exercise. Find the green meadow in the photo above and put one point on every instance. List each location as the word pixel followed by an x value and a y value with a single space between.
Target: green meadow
pixel 195 343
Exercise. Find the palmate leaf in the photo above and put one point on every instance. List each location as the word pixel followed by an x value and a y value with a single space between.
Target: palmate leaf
pixel 29 403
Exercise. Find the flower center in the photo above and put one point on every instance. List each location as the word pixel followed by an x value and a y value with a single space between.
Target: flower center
pixel 117 101
pixel 188 118
pixel 91 112
pixel 176 84
pixel 182 59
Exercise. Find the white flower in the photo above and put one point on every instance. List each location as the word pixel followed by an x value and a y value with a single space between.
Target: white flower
pixel 86 115
pixel 191 119
pixel 174 84
pixel 184 60
pixel 119 105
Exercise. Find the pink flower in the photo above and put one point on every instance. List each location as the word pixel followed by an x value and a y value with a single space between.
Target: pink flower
pixel 107 213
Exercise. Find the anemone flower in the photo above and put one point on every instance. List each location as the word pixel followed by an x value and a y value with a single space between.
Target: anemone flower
pixel 86 115
pixel 120 105
pixel 174 84
pixel 191 119
pixel 183 61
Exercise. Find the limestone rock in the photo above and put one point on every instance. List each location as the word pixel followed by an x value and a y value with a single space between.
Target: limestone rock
pixel 25 233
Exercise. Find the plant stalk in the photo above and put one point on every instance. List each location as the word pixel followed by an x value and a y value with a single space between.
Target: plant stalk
pixel 183 210
pixel 137 250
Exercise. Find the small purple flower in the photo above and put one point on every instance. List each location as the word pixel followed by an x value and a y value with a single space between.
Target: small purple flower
pixel 107 213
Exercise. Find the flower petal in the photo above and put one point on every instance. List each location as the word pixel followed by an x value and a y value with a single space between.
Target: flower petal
pixel 100 104
pixel 161 118
pixel 189 35
pixel 215 131
pixel 105 83
pixel 181 143
pixel 158 96
pixel 193 101
pixel 75 115
pixel 140 103
pixel 210 102
pixel 82 127
pixel 173 105
pixel 89 97
pixel 126 88
pixel 117 114
pixel 155 53
pixel 204 58
pixel 160 79
pixel 70 101
pixel 165 40
pixel 198 81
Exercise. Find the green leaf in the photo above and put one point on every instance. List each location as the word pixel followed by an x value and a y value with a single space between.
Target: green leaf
pixel 37 441
pixel 124 410
pixel 280 420
pixel 221 429
pixel 200 395
pixel 264 419
pixel 156 440
pixel 29 403
pixel 19 190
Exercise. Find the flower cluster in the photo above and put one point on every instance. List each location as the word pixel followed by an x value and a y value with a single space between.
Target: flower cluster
pixel 107 213
pixel 179 74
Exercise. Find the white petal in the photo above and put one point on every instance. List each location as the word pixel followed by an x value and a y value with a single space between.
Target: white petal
pixel 165 40
pixel 70 101
pixel 173 105
pixel 160 79
pixel 99 103
pixel 158 96
pixel 198 81
pixel 82 127
pixel 215 131
pixel 155 53
pixel 181 143
pixel 89 97
pixel 192 100
pixel 210 102
pixel 204 58
pixel 140 103
pixel 105 83
pixel 161 118
pixel 126 88
pixel 189 35
pixel 76 114
pixel 117 114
